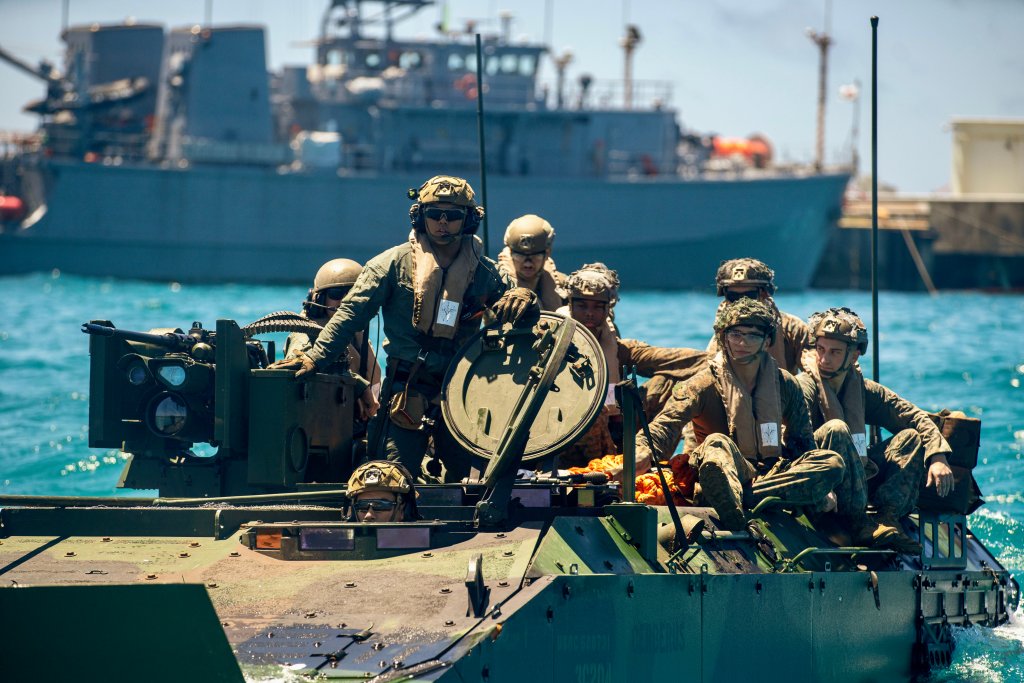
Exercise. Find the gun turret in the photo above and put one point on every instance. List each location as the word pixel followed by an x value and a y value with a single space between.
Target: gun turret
pixel 156 394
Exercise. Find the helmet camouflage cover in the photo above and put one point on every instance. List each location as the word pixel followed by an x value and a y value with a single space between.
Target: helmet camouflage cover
pixel 339 272
pixel 444 188
pixel 594 281
pixel 379 475
pixel 529 234
pixel 746 312
pixel 745 272
pixel 841 324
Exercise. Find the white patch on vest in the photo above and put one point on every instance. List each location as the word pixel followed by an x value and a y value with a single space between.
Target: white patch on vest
pixel 447 313
pixel 860 442
pixel 769 434
pixel 609 398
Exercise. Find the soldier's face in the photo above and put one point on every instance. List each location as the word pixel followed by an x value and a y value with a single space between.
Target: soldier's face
pixel 744 341
pixel 591 313
pixel 832 354
pixel 445 228
pixel 528 265
pixel 378 506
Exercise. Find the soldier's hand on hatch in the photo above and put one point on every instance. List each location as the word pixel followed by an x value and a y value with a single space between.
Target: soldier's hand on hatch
pixel 301 364
pixel 940 476
pixel 513 304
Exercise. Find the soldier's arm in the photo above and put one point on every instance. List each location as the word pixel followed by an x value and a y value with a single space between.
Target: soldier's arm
pixel 667 428
pixel 799 435
pixel 809 388
pixel 798 337
pixel 679 363
pixel 367 296
pixel 885 408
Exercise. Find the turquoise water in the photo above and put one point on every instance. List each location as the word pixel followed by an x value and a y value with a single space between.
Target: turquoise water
pixel 955 350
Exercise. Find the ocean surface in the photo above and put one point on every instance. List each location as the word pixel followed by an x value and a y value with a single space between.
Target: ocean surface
pixel 953 350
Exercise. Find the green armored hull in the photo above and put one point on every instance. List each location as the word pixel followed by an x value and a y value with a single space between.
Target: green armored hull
pixel 256 574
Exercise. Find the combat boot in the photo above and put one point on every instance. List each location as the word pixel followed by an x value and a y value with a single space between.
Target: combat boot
pixel 890 534
pixel 715 489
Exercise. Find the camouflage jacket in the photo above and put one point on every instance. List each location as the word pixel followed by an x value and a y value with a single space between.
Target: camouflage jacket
pixel 795 336
pixel 386 285
pixel 697 400
pixel 677 363
pixel 883 408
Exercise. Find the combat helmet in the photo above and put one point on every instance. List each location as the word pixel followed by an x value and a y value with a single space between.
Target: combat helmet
pixel 384 476
pixel 745 312
pixel 529 234
pixel 746 272
pixel 448 189
pixel 841 324
pixel 339 272
pixel 594 281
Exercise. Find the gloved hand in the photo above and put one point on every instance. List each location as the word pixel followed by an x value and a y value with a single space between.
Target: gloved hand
pixel 302 364
pixel 513 304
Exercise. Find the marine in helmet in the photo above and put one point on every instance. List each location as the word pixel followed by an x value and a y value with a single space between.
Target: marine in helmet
pixel 593 291
pixel 432 291
pixel 749 278
pixel 842 403
pixel 332 282
pixel 382 491
pixel 526 259
pixel 738 406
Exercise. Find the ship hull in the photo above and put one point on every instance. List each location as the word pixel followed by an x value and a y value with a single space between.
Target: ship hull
pixel 250 224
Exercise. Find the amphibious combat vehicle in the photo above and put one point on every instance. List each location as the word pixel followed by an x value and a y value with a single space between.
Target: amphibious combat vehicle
pixel 245 564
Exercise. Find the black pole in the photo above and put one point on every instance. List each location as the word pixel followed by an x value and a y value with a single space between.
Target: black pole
pixel 480 136
pixel 875 433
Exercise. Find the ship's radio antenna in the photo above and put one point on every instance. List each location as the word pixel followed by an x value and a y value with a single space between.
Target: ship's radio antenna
pixel 480 136
pixel 875 433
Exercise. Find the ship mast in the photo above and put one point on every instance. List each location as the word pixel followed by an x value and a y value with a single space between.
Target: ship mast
pixel 824 41
pixel 629 43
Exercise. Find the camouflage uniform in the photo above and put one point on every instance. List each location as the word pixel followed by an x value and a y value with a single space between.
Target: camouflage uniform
pixel 804 475
pixel 901 459
pixel 801 474
pixel 664 366
pixel 386 285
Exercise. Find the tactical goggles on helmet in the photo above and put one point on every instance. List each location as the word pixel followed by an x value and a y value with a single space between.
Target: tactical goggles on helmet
pixel 731 295
pixel 528 254
pixel 450 215
pixel 375 505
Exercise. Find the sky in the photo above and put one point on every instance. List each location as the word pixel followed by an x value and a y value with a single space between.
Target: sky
pixel 735 67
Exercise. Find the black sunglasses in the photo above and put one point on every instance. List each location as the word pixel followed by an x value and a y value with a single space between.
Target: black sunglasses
pixel 337 293
pixel 375 505
pixel 450 215
pixel 736 296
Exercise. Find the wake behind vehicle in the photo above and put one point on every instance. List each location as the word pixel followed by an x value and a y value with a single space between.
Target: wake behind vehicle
pixel 245 564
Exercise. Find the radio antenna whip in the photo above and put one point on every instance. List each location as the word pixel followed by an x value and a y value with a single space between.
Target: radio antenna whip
pixel 480 136
pixel 875 433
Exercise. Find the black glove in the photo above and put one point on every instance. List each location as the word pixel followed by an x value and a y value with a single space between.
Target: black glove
pixel 513 304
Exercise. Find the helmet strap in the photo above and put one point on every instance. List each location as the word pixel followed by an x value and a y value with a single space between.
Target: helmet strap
pixel 843 368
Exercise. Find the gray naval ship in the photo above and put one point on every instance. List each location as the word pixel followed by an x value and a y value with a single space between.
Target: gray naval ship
pixel 176 155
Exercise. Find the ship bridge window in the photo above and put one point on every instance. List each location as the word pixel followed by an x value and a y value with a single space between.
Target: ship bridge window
pixel 372 60
pixel 410 60
pixel 509 64
pixel 456 62
pixel 527 65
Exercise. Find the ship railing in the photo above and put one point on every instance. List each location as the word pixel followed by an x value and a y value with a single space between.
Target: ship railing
pixel 611 94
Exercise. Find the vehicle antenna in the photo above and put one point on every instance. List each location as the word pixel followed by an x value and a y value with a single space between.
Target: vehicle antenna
pixel 875 433
pixel 480 135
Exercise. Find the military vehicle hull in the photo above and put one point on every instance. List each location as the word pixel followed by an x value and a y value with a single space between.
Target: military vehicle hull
pixel 251 224
pixel 570 593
